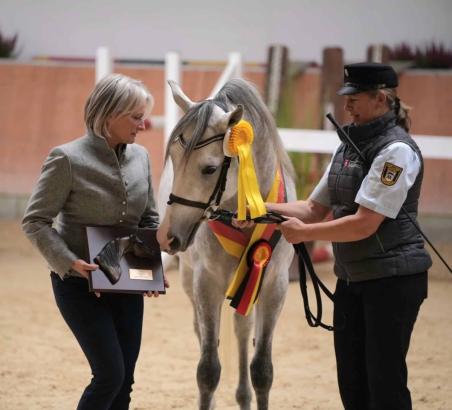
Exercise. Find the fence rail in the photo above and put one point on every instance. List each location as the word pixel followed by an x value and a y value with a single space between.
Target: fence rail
pixel 296 140
pixel 326 142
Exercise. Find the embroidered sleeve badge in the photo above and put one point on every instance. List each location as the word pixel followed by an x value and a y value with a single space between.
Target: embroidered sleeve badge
pixel 390 174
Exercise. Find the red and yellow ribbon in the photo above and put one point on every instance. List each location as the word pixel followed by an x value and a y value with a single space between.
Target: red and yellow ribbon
pixel 247 293
pixel 237 244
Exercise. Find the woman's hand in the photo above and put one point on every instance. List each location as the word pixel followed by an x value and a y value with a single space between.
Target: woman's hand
pixel 294 230
pixel 156 293
pixel 162 236
pixel 84 268
pixel 242 224
pixel 247 223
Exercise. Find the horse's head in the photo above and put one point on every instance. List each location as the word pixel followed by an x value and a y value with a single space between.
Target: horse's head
pixel 196 151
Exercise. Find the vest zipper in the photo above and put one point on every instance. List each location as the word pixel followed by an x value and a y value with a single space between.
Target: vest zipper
pixel 337 182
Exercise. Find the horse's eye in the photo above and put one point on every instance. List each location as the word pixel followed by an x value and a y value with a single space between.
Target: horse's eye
pixel 209 170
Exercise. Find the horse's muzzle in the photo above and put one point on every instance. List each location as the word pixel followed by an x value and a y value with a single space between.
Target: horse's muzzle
pixel 174 245
pixel 177 244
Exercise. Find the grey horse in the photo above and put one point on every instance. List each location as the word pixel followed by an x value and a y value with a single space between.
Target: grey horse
pixel 196 151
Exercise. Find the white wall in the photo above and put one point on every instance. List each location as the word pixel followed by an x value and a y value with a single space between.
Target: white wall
pixel 209 29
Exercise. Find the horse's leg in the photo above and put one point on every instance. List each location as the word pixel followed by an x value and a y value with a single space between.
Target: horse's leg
pixel 186 273
pixel 208 301
pixel 268 308
pixel 242 327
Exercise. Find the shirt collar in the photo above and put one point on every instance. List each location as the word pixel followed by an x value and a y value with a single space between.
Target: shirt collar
pixel 361 134
pixel 102 144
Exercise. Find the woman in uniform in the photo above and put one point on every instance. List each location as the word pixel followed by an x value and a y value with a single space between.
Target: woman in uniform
pixel 380 261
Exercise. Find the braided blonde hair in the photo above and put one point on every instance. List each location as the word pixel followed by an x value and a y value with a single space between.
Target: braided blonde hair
pixel 399 107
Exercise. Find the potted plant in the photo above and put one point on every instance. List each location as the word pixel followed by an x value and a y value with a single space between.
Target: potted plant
pixel 7 46
pixel 402 56
pixel 431 56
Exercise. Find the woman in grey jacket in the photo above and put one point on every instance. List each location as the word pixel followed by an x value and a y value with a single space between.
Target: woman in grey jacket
pixel 102 178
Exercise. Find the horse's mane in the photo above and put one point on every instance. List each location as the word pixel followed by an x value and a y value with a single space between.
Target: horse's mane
pixel 239 91
pixel 234 92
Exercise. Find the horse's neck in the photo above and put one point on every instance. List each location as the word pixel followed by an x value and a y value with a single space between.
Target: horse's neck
pixel 265 161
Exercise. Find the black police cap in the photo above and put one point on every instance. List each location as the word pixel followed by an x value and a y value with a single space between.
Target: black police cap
pixel 361 77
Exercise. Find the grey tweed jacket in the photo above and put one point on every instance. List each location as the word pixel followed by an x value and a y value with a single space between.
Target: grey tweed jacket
pixel 84 182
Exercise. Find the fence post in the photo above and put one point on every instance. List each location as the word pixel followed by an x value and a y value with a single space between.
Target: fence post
pixel 277 63
pixel 172 72
pixel 332 79
pixel 378 53
pixel 104 63
pixel 233 69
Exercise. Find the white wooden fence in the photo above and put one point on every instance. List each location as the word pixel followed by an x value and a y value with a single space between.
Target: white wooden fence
pixel 297 140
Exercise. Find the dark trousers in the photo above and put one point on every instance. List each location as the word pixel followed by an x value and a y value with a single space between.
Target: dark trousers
pixel 108 330
pixel 373 322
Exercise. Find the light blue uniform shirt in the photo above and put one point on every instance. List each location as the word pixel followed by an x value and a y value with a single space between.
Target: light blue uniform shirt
pixel 373 194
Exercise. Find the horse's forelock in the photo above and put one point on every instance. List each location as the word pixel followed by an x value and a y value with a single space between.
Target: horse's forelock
pixel 234 92
pixel 198 115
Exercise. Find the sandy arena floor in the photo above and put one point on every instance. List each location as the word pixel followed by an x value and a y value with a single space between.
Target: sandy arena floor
pixel 42 367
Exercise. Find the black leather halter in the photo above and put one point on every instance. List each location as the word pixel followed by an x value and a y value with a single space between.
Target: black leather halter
pixel 220 186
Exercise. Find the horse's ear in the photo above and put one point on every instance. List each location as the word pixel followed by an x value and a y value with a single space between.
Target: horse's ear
pixel 235 116
pixel 179 97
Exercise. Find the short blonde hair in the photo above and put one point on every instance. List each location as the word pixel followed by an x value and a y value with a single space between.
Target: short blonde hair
pixel 113 96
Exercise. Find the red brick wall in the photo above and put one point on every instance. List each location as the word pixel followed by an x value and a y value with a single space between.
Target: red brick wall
pixel 42 106
pixel 429 93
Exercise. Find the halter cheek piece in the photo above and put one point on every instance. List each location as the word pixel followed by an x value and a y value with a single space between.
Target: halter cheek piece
pixel 220 186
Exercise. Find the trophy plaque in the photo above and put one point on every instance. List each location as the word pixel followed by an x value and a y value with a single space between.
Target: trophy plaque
pixel 129 260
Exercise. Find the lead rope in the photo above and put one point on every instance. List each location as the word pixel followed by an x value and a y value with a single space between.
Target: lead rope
pixel 305 267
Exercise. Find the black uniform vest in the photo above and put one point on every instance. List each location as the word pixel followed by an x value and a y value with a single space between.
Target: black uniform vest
pixel 397 248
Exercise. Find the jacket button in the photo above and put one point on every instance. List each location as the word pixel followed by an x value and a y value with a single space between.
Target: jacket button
pixel 120 221
pixel 123 213
pixel 123 202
